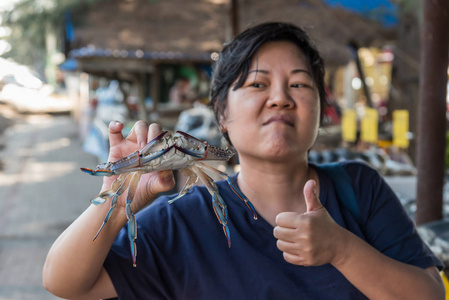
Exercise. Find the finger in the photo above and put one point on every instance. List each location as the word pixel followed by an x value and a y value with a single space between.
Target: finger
pixel 285 234
pixel 287 219
pixel 294 259
pixel 285 246
pixel 164 181
pixel 139 133
pixel 154 130
pixel 115 133
pixel 282 232
pixel 310 196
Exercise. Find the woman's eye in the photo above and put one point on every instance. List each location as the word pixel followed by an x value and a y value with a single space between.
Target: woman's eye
pixel 298 85
pixel 257 85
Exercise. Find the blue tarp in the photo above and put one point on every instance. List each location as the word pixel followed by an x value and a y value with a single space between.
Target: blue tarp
pixel 69 30
pixel 69 65
pixel 382 11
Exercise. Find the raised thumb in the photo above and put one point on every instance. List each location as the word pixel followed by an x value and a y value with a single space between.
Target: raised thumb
pixel 310 196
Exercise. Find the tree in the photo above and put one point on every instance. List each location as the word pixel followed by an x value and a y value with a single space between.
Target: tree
pixel 37 30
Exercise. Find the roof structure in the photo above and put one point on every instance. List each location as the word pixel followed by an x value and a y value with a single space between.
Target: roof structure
pixel 331 28
pixel 151 29
pixel 190 30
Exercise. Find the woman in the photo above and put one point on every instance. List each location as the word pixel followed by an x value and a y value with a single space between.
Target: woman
pixel 268 95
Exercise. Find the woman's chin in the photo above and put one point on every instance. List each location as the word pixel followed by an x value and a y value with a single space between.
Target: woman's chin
pixel 281 154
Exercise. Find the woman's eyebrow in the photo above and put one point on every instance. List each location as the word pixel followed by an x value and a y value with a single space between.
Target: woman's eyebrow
pixel 258 71
pixel 295 71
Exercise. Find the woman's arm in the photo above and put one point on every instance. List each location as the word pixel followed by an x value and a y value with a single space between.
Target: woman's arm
pixel 381 277
pixel 313 239
pixel 74 265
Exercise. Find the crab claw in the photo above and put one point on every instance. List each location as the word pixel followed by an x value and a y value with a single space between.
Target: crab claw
pixel 97 172
pixel 88 171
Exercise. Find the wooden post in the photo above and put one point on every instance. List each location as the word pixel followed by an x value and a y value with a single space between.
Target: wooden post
pixel 432 110
pixel 234 15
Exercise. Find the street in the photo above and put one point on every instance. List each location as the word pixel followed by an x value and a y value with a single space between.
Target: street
pixel 42 190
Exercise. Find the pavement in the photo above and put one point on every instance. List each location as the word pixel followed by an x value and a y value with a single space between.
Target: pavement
pixel 42 190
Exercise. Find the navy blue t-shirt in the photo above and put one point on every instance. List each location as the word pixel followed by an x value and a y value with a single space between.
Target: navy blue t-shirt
pixel 182 252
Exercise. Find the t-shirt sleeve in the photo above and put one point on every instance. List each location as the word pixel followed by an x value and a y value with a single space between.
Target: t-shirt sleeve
pixel 386 224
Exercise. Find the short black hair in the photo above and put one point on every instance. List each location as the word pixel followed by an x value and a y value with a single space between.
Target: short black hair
pixel 234 61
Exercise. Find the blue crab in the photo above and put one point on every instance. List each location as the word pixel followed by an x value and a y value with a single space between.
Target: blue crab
pixel 180 151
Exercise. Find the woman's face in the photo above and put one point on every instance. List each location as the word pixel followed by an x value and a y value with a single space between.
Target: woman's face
pixel 275 114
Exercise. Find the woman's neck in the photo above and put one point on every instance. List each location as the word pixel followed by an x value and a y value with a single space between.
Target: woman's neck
pixel 275 187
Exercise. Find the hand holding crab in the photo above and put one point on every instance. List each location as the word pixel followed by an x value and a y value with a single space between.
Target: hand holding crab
pixel 152 183
pixel 164 152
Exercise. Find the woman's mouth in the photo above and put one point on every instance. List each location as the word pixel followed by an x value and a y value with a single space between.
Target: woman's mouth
pixel 285 119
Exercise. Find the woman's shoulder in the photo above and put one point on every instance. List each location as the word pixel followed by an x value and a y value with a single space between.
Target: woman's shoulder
pixel 356 164
pixel 364 178
pixel 359 170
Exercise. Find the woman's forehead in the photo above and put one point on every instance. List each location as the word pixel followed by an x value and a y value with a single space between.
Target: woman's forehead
pixel 278 51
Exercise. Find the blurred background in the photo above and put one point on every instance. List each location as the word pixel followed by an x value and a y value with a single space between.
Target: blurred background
pixel 69 67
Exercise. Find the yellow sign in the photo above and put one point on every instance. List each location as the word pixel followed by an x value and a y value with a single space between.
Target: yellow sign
pixel 369 125
pixel 400 128
pixel 349 125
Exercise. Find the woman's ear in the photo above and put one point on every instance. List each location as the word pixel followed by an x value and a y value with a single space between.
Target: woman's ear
pixel 223 128
pixel 222 123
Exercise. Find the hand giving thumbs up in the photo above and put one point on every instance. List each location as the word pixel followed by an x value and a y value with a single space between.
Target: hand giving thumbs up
pixel 311 238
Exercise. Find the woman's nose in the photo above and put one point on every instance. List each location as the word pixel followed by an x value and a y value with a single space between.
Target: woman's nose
pixel 280 98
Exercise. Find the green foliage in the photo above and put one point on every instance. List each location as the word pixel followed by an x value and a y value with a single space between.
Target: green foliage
pixel 410 7
pixel 30 22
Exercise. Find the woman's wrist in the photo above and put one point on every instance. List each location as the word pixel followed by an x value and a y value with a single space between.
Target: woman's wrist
pixel 343 247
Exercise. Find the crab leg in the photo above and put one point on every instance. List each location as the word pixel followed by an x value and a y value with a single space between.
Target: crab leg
pixel 233 186
pixel 220 207
pixel 115 196
pixel 102 197
pixel 132 226
pixel 191 179
pixel 213 189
